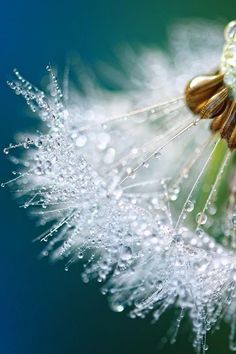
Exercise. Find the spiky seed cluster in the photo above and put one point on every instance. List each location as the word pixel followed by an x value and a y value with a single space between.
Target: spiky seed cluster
pixel 117 197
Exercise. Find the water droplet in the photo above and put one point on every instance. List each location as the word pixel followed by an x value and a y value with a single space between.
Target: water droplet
pixel 234 220
pixel 117 307
pixel 199 232
pixel 212 210
pixel 126 254
pixel 189 206
pixel 38 170
pixel 80 255
pixel 104 291
pixel 38 143
pixel 177 237
pixel 201 218
pixel 174 193
pixel 157 155
pixel 130 171
pixel 202 265
pixel 145 164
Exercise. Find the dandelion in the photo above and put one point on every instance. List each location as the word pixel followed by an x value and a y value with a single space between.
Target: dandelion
pixel 146 198
pixel 186 267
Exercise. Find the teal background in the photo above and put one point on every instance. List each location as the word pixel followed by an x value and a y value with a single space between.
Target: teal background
pixel 45 310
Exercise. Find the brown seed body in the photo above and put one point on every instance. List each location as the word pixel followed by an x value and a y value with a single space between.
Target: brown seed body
pixel 209 97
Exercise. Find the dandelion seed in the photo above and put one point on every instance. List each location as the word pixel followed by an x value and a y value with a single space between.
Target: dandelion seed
pixel 133 182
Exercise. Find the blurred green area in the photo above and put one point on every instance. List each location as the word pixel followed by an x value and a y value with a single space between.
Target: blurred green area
pixel 210 180
pixel 45 310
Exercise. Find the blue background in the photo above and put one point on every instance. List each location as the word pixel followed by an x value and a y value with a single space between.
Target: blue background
pixel 45 310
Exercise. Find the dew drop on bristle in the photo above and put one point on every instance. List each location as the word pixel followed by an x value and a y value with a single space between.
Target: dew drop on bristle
pixel 201 218
pixel 189 207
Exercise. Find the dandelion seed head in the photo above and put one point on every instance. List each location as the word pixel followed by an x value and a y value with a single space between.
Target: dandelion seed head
pixel 115 180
